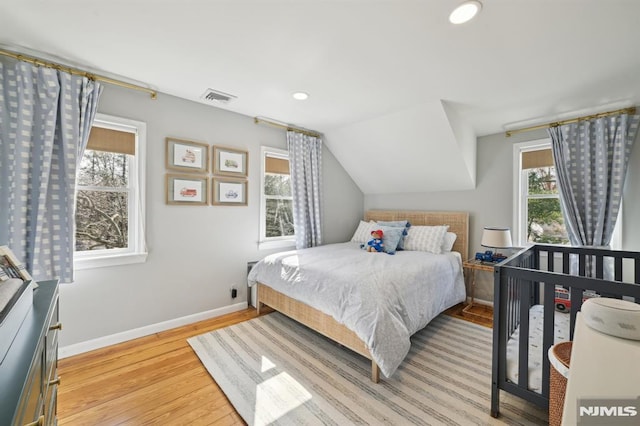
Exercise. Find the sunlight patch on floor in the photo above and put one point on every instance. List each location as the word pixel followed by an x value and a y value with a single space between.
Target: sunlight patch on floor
pixel 266 364
pixel 277 396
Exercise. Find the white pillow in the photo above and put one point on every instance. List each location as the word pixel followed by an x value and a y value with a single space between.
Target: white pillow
pixel 363 233
pixel 448 241
pixel 425 238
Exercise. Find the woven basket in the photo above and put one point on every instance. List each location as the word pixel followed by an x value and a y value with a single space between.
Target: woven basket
pixel 557 381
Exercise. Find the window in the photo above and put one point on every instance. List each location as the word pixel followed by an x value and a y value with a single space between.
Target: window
pixel 110 195
pixel 538 217
pixel 276 201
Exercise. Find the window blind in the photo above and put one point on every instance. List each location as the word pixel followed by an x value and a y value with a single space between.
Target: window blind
pixel 109 140
pixel 537 159
pixel 276 165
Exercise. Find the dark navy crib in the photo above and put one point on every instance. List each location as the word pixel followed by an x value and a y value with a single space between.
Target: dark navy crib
pixel 527 279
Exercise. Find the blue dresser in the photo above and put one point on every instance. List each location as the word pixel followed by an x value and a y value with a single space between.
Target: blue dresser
pixel 28 373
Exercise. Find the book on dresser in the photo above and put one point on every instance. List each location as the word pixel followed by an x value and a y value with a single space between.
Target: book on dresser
pixel 28 370
pixel 16 299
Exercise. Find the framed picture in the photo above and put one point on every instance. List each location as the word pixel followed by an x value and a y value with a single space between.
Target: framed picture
pixel 229 192
pixel 187 156
pixel 187 190
pixel 230 162
pixel 10 266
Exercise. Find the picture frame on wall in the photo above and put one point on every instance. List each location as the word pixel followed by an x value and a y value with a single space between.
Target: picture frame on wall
pixel 230 162
pixel 11 267
pixel 229 191
pixel 187 156
pixel 187 190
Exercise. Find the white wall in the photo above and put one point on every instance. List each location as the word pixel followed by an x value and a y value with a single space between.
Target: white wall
pixel 393 152
pixel 196 253
pixel 491 202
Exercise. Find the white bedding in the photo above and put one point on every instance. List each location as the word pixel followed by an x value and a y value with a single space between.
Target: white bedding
pixel 383 298
pixel 536 319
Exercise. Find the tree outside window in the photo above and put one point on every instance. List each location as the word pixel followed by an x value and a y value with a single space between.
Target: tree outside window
pixel 279 203
pixel 544 223
pixel 276 211
pixel 102 201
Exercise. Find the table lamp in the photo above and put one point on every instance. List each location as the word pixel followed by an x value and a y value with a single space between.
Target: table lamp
pixel 496 238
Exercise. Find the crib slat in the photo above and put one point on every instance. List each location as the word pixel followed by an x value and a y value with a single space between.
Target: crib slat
pixel 514 306
pixel 548 334
pixel 551 260
pixel 515 314
pixel 565 263
pixel 507 312
pixel 618 269
pixel 576 304
pixel 599 266
pixel 523 343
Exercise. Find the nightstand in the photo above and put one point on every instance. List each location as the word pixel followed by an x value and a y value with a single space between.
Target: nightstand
pixel 472 266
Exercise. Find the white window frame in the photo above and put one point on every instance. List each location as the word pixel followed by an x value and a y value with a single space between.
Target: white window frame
pixel 520 186
pixel 265 243
pixel 137 250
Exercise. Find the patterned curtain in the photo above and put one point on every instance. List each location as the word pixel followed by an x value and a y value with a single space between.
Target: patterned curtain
pixel 305 162
pixel 591 159
pixel 45 120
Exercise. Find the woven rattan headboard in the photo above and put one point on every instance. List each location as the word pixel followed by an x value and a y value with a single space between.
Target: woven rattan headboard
pixel 458 223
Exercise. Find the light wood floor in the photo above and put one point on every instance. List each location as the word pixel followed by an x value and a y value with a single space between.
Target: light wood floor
pixel 153 380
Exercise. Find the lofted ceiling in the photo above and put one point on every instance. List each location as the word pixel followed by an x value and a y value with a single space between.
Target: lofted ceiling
pixel 392 83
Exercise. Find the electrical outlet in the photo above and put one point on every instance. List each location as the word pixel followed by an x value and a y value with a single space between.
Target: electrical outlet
pixel 234 292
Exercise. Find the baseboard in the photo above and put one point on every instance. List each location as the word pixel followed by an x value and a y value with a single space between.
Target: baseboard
pixel 101 342
pixel 480 302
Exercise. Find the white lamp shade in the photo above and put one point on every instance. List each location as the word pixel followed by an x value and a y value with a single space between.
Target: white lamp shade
pixel 496 237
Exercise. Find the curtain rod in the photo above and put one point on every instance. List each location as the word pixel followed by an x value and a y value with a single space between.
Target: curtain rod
pixel 630 110
pixel 73 71
pixel 287 127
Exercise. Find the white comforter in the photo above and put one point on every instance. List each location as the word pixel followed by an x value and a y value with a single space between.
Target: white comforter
pixel 383 298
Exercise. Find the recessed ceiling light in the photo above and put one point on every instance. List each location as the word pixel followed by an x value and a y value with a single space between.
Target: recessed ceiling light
pixel 465 12
pixel 300 96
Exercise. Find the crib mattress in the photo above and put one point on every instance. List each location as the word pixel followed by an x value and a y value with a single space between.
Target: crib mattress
pixel 536 317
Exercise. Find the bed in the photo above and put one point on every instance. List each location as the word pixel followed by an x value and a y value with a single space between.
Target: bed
pixel 535 306
pixel 351 311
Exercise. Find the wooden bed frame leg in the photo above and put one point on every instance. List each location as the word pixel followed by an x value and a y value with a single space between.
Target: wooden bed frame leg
pixel 375 372
pixel 258 303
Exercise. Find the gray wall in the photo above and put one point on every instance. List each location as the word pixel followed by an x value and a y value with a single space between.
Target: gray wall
pixel 491 202
pixel 195 253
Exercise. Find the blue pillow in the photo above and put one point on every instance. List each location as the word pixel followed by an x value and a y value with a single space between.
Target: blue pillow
pixel 391 237
pixel 404 224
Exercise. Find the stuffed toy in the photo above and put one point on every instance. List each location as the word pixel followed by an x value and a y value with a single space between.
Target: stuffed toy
pixel 375 244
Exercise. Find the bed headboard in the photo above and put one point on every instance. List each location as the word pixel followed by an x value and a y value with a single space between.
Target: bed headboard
pixel 458 223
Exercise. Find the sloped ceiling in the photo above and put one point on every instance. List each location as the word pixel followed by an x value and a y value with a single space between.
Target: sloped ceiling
pixel 405 152
pixel 398 91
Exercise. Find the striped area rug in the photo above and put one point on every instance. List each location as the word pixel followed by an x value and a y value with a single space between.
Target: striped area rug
pixel 276 371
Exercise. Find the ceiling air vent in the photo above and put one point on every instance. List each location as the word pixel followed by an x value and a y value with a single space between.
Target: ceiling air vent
pixel 215 97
